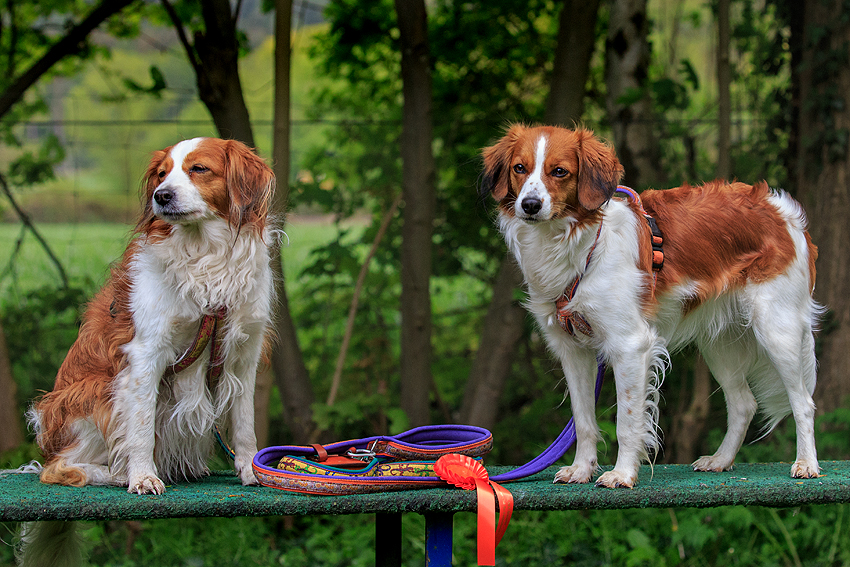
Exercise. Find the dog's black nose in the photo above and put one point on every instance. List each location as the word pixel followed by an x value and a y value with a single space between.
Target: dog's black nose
pixel 163 196
pixel 531 205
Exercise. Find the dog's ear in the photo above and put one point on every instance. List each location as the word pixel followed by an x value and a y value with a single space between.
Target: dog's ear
pixel 251 184
pixel 599 171
pixel 496 178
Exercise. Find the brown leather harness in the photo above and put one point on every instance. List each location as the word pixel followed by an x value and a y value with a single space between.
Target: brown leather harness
pixel 572 321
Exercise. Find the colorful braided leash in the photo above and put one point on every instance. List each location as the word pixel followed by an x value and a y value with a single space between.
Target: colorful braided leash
pixel 209 333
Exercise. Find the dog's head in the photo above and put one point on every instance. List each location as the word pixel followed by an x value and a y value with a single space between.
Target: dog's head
pixel 546 172
pixel 204 178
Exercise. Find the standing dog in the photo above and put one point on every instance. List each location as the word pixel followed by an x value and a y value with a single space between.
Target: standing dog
pixel 737 278
pixel 121 413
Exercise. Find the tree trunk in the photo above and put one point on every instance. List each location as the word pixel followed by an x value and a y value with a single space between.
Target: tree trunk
pixel 689 424
pixel 500 335
pixel 293 380
pixel 626 73
pixel 576 40
pixel 219 85
pixel 505 318
pixel 823 169
pixel 793 12
pixel 724 99
pixel 418 216
pixel 10 417
pixel 214 57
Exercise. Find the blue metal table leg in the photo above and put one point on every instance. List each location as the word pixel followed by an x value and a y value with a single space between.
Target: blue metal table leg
pixel 387 540
pixel 438 539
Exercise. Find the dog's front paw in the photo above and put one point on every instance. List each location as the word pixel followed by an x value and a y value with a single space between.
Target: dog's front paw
pixel 146 484
pixel 805 469
pixel 247 477
pixel 712 464
pixel 574 474
pixel 245 471
pixel 616 479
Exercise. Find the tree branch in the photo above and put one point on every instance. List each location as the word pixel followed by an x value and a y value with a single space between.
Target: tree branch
pixel 25 219
pixel 181 35
pixel 70 43
pixel 358 288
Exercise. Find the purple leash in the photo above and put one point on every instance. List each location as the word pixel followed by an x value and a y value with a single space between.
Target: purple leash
pixel 558 447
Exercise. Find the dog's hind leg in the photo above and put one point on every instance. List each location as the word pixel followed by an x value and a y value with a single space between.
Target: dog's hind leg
pixel 806 465
pixel 69 473
pixel 729 358
pixel 785 335
pixel 82 462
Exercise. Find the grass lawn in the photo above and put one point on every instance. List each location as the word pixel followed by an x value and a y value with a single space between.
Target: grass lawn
pixel 86 250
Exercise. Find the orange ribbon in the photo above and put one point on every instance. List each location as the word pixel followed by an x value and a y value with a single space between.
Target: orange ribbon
pixel 469 474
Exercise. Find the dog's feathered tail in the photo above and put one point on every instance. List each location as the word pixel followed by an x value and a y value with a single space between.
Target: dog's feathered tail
pixel 54 544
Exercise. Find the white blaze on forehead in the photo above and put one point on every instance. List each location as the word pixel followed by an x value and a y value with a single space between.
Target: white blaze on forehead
pixel 178 155
pixel 186 201
pixel 539 159
pixel 534 186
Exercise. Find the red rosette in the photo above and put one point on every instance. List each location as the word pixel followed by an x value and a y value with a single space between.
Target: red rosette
pixel 460 470
pixel 469 474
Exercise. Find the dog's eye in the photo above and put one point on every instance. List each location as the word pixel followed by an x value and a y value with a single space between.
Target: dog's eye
pixel 560 172
pixel 198 168
pixel 519 168
pixel 161 174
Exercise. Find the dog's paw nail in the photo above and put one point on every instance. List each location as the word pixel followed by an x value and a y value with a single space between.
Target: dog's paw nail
pixel 614 479
pixel 572 475
pixel 148 484
pixel 711 464
pixel 805 469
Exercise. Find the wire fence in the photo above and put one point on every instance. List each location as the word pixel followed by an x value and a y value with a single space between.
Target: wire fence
pixel 100 175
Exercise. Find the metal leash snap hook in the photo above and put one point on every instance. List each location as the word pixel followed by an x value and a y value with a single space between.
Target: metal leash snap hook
pixel 360 454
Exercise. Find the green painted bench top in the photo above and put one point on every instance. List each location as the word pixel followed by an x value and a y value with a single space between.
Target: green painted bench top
pixel 23 497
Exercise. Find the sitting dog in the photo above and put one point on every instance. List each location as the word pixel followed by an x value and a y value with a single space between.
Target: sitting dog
pixel 737 279
pixel 121 413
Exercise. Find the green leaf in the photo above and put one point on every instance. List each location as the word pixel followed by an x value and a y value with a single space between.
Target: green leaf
pixel 155 89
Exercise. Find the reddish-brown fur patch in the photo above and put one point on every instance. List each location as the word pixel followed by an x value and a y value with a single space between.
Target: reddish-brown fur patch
pixel 719 236
pixel 644 263
pixel 57 471
pixel 84 381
